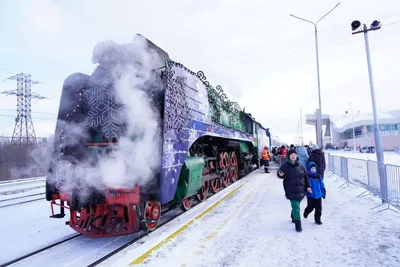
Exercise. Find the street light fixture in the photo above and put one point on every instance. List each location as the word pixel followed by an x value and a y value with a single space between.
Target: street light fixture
pixel 356 28
pixel 320 140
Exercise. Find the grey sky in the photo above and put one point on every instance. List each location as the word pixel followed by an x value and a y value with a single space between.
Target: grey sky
pixel 262 57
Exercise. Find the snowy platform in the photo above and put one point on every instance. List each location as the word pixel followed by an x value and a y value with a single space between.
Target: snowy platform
pixel 253 228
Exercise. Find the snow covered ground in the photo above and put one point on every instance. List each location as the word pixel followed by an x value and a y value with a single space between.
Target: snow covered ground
pixel 253 228
pixel 27 227
pixel 390 157
pixel 17 187
pixel 21 191
pixel 22 180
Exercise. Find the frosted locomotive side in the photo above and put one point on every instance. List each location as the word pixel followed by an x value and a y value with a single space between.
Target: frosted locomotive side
pixel 140 136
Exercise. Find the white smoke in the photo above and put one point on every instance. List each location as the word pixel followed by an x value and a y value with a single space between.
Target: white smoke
pixel 136 159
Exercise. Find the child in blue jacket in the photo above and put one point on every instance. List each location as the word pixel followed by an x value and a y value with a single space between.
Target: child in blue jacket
pixel 318 191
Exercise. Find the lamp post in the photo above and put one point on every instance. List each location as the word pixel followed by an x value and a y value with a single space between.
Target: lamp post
pixel 301 124
pixel 356 28
pixel 354 131
pixel 301 127
pixel 320 140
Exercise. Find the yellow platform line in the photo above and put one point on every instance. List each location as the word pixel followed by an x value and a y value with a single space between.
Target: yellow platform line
pixel 141 258
pixel 238 209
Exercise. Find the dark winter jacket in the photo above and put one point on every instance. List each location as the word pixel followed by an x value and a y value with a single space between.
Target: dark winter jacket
pixel 318 157
pixel 316 182
pixel 295 180
pixel 308 150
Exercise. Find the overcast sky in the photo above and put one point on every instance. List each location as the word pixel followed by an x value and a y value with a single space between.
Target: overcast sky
pixel 263 58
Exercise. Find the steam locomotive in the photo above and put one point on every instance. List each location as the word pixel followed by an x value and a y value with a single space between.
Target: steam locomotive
pixel 190 141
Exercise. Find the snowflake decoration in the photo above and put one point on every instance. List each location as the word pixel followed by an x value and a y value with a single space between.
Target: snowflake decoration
pixel 104 111
pixel 169 154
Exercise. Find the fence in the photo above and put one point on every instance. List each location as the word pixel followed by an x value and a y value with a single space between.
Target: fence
pixel 365 173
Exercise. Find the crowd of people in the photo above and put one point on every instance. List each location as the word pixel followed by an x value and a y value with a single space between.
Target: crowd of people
pixel 302 170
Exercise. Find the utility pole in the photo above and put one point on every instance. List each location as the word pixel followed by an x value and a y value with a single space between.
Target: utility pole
pixel 376 25
pixel 354 131
pixel 301 127
pixel 24 132
pixel 320 138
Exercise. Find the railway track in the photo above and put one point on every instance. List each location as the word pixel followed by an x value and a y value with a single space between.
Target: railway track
pixel 68 243
pixel 3 202
pixel 23 257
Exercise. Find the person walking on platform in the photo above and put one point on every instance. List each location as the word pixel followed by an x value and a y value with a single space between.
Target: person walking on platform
pixel 266 156
pixel 283 153
pixel 318 191
pixel 295 184
pixel 318 157
pixel 303 156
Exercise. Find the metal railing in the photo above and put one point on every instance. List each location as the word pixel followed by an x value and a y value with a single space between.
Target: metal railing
pixel 365 174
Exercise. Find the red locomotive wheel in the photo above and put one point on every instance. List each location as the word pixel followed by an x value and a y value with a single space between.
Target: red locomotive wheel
pixel 152 213
pixel 215 185
pixel 234 166
pixel 227 165
pixel 186 204
pixel 224 163
pixel 203 195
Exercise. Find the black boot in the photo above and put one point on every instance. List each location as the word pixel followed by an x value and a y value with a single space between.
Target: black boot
pixel 317 219
pixel 305 214
pixel 298 226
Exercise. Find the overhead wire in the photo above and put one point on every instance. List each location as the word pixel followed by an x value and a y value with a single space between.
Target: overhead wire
pixel 36 118
pixel 43 113
pixel 255 58
pixel 294 40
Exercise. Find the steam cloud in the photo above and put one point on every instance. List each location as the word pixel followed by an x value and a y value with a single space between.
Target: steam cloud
pixel 136 159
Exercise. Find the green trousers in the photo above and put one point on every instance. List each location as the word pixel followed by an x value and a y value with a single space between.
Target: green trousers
pixel 295 209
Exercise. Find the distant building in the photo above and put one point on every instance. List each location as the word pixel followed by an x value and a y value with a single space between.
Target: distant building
pixel 339 129
pixel 276 141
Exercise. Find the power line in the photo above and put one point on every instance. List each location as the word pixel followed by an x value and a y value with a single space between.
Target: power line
pixel 36 118
pixel 44 113
pixel 287 44
pixel 259 56
pixel 24 132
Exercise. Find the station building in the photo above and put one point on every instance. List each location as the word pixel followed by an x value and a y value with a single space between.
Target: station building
pixel 338 129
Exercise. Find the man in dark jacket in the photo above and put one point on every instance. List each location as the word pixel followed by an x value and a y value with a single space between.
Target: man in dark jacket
pixel 318 157
pixel 295 183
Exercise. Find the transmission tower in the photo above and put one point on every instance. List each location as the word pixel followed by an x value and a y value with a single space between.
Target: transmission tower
pixel 24 132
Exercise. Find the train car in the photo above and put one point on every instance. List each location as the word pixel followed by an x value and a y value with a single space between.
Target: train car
pixel 140 136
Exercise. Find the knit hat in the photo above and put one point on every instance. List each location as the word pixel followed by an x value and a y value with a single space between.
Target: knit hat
pixel 291 151
pixel 315 147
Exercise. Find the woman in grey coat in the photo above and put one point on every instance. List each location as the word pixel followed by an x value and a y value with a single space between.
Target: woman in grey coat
pixel 303 156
